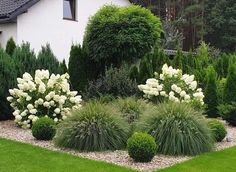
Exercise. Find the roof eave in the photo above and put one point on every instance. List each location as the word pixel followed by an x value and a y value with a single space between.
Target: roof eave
pixel 13 15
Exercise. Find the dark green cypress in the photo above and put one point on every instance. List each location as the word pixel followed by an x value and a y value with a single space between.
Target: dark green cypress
pixel 47 60
pixel 8 75
pixel 10 47
pixel 134 72
pixel 210 92
pixel 230 86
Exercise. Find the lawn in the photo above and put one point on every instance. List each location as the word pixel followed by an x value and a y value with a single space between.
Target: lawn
pixel 222 161
pixel 19 157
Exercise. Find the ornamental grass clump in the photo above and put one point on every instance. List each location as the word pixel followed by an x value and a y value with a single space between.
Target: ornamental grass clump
pixel 178 129
pixel 95 127
pixel 43 94
pixel 172 85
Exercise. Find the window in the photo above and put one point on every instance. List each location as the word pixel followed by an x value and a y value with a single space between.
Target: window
pixel 69 9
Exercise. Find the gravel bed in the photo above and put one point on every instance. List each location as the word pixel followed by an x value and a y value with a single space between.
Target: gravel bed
pixel 10 131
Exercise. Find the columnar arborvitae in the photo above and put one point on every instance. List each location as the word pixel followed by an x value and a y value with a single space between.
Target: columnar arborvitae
pixel 63 67
pixel 10 47
pixel 8 75
pixel 178 60
pixel 134 72
pixel 230 86
pixel 47 60
pixel 25 59
pixel 210 92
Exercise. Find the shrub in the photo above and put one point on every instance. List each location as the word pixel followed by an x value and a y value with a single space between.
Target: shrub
pixel 172 85
pixel 8 75
pixel 230 85
pixel 136 30
pixel 44 129
pixel 10 47
pixel 46 60
pixel 80 66
pixel 131 108
pixel 116 82
pixel 63 67
pixel 25 59
pixel 218 129
pixel 93 128
pixel 141 147
pixel 43 94
pixel 211 98
pixel 174 127
pixel 228 112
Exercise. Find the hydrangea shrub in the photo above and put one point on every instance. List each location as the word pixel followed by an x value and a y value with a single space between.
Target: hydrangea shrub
pixel 172 85
pixel 42 95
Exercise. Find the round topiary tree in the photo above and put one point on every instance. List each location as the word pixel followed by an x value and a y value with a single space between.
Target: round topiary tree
pixel 174 127
pixel 218 129
pixel 141 147
pixel 44 129
pixel 115 34
pixel 93 128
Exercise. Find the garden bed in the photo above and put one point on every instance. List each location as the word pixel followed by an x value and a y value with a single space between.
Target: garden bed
pixel 9 130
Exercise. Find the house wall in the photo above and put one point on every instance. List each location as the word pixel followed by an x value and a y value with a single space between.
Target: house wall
pixel 6 32
pixel 43 23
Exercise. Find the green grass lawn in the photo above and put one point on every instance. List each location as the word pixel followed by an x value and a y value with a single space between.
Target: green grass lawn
pixel 222 161
pixel 19 157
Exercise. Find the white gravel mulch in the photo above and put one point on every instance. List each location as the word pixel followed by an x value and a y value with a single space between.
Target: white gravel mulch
pixel 9 130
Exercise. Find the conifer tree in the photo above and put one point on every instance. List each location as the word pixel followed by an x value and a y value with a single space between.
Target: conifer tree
pixel 230 86
pixel 10 47
pixel 210 92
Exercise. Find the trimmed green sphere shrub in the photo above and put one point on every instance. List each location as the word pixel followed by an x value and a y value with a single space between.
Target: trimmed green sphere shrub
pixel 178 129
pixel 44 129
pixel 218 129
pixel 141 147
pixel 93 128
pixel 115 34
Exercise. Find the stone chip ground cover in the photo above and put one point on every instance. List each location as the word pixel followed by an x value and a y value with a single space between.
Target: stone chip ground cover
pixel 9 130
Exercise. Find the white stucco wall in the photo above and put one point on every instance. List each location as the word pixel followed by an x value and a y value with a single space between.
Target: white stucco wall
pixel 43 23
pixel 6 32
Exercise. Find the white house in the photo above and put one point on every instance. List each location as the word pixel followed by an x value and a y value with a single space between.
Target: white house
pixel 57 22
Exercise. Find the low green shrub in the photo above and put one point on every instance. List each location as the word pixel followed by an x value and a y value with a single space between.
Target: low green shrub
pixel 131 108
pixel 228 112
pixel 178 129
pixel 218 129
pixel 93 128
pixel 141 147
pixel 44 129
pixel 116 82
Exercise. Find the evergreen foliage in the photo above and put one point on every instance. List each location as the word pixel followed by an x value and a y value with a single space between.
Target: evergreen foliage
pixel 10 47
pixel 8 75
pixel 210 92
pixel 47 60
pixel 230 86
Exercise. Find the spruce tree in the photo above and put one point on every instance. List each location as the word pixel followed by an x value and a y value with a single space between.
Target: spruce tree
pixel 10 47
pixel 210 92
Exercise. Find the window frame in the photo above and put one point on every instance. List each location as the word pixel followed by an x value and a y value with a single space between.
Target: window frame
pixel 73 11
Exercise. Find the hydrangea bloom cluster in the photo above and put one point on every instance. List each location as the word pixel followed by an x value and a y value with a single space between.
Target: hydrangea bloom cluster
pixel 42 95
pixel 171 84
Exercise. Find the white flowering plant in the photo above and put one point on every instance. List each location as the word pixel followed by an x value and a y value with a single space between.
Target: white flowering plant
pixel 172 85
pixel 43 95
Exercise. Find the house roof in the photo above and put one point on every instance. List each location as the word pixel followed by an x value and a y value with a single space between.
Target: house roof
pixel 10 9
